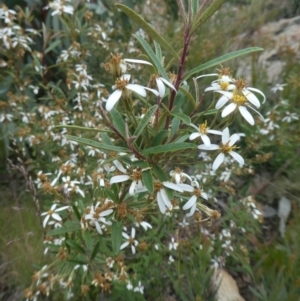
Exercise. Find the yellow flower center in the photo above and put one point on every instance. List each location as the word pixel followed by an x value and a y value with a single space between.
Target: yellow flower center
pixel 226 148
pixel 121 84
pixel 137 174
pixel 240 100
pixel 158 186
pixel 203 128
pixel 224 85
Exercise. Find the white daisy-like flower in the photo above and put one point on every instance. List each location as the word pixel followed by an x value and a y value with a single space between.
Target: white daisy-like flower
pixel 160 83
pixel 53 213
pixel 179 176
pixel 97 216
pixel 227 146
pixel 59 7
pixel 192 202
pixel 163 200
pixel 278 87
pixel 289 117
pixel 173 244
pixel 202 132
pixel 144 224
pixel 136 185
pixel 118 66
pixel 224 83
pixel 124 89
pixel 240 98
pixel 139 288
pixel 130 241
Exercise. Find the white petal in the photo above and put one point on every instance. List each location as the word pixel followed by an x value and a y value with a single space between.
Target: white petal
pixel 205 75
pixel 161 87
pixel 62 208
pixel 152 90
pixel 53 207
pixel 245 113
pixel 45 221
pixel 237 157
pixel 204 195
pixel 194 136
pixel 137 61
pixel 113 99
pixel 218 161
pixel 205 140
pixel 261 116
pixel 132 249
pixel 206 147
pixel 167 83
pixel 132 188
pixel 214 132
pixel 56 217
pixel 132 232
pixel 190 203
pixel 161 203
pixel 137 89
pixel 258 91
pixel 124 245
pixel 125 77
pixel 221 102
pixel 118 179
pixel 186 187
pixel 225 136
pixel 251 98
pixel 98 228
pixel 229 109
pixel 172 186
pixel 120 167
pixel 125 235
pixel 233 139
pixel 165 198
pixel 106 212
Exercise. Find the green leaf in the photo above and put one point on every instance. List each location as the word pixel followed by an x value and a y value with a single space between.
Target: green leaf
pixel 168 148
pixel 148 180
pixel 211 112
pixel 222 59
pixel 76 211
pixel 207 14
pixel 69 227
pixel 76 246
pixel 174 127
pixel 96 250
pixel 118 121
pixel 116 236
pixel 53 45
pixel 188 96
pixel 145 120
pixel 82 128
pixel 159 138
pixel 147 28
pixel 97 144
pixel 105 139
pixel 160 173
pixel 158 51
pixel 153 57
pixel 88 239
pixel 185 119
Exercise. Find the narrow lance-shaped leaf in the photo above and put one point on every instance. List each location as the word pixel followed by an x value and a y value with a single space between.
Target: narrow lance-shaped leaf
pixel 222 59
pixel 184 118
pixel 97 144
pixel 207 14
pixel 81 128
pixel 167 148
pixel 145 120
pixel 96 250
pixel 88 239
pixel 147 28
pixel 188 96
pixel 153 57
pixel 116 236
pixel 118 122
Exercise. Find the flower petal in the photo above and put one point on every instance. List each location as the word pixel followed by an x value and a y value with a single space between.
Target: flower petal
pixel 210 147
pixel 214 132
pixel 245 113
pixel 233 139
pixel 194 136
pixel 161 203
pixel 221 102
pixel 137 61
pixel 137 89
pixel 186 187
pixel 258 91
pixel 190 203
pixel 205 75
pixel 56 217
pixel 161 87
pixel 205 140
pixel 119 179
pixel 225 136
pixel 229 109
pixel 172 186
pixel 113 99
pixel 165 198
pixel 218 161
pixel 167 83
pixel 152 90
pixel 124 245
pixel 46 220
pixel 237 157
